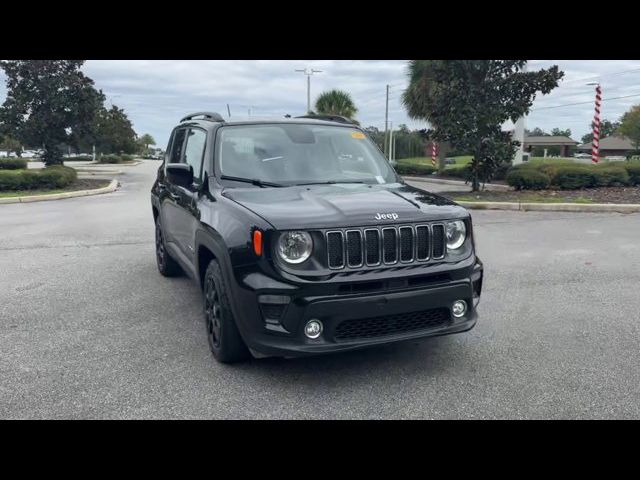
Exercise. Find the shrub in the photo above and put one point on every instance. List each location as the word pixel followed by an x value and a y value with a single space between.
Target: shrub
pixel 463 173
pixel 13 164
pixel 110 159
pixel 610 176
pixel 575 177
pixel 501 171
pixel 633 169
pixel 527 179
pixel 80 158
pixel 414 169
pixel 44 178
pixel 126 157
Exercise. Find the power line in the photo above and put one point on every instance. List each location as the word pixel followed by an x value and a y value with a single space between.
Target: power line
pixel 584 103
pixel 603 75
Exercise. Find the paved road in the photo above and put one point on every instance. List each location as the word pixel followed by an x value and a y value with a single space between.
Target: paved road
pixel 89 329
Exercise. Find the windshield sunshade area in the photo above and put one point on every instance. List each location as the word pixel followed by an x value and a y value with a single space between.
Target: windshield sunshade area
pixel 294 154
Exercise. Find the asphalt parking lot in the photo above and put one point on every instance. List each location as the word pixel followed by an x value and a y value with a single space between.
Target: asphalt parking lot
pixel 89 329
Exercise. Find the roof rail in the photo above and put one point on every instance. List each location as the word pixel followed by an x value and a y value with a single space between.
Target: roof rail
pixel 329 118
pixel 211 116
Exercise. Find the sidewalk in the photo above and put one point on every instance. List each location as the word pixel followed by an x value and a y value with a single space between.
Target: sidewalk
pixel 444 185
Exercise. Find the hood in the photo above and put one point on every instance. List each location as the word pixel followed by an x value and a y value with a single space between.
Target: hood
pixel 344 205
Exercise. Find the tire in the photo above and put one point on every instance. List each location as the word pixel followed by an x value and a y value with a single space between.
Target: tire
pixel 167 266
pixel 225 341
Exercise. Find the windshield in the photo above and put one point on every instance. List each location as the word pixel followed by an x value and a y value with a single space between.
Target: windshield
pixel 294 154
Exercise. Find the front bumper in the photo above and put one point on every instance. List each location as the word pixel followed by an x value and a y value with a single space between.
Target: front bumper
pixel 285 336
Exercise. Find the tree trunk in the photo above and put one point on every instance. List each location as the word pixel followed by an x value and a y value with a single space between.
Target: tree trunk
pixel 52 156
pixel 475 170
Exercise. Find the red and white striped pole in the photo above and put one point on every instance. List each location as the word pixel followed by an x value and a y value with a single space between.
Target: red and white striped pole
pixel 595 148
pixel 434 153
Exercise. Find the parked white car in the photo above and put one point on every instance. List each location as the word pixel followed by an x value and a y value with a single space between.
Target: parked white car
pixel 582 155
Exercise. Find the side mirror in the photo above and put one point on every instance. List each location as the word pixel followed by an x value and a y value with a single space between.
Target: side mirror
pixel 180 174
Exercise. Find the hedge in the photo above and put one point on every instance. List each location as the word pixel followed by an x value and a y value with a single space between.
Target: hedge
pixel 414 169
pixel 572 178
pixel 112 158
pixel 13 164
pixel 36 179
pixel 527 179
pixel 633 169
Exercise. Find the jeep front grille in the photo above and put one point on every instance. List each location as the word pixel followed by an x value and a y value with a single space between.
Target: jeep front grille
pixel 354 248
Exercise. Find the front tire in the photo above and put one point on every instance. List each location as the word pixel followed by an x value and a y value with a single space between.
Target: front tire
pixel 167 266
pixel 225 341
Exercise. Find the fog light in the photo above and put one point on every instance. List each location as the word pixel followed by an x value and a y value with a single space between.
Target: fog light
pixel 459 308
pixel 313 328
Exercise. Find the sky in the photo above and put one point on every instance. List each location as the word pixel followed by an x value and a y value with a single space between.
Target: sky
pixel 157 93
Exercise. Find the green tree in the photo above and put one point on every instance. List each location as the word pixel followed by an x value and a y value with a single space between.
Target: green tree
pixel 113 132
pixel 49 103
pixel 146 140
pixel 336 102
pixel 536 132
pixel 558 132
pixel 467 101
pixel 607 128
pixel 630 126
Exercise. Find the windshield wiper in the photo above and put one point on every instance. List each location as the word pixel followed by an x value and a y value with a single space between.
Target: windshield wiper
pixel 331 182
pixel 252 181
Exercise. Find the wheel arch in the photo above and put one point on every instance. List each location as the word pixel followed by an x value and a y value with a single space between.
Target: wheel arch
pixel 209 246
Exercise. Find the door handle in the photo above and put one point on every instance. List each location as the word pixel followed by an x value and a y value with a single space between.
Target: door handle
pixel 174 196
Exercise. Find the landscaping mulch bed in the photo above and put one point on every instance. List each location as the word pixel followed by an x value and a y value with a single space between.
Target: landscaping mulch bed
pixel 591 195
pixel 78 184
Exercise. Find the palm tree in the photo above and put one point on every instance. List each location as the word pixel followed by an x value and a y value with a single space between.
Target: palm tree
pixel 417 96
pixel 336 102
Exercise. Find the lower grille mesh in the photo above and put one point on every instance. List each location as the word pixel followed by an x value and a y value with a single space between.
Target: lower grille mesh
pixel 392 324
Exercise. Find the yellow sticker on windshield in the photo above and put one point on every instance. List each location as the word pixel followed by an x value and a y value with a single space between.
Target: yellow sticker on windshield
pixel 359 135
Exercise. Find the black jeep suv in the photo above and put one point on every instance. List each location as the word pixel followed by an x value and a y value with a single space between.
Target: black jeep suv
pixel 304 240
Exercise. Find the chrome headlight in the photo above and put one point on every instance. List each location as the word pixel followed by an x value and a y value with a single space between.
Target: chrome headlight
pixel 456 234
pixel 295 246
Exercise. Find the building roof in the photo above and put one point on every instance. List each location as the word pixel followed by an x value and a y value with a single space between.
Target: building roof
pixel 549 140
pixel 610 143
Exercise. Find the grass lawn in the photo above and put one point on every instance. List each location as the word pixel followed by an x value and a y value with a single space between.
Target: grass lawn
pixel 528 198
pixel 624 195
pixel 460 161
pixel 80 184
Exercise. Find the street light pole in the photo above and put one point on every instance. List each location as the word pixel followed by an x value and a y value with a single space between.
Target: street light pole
pixel 308 72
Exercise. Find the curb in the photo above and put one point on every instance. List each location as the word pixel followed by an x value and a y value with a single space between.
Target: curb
pixel 90 164
pixel 59 196
pixel 554 207
pixel 92 171
pixel 452 182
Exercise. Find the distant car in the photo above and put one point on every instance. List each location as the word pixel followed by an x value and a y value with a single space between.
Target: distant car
pixel 582 155
pixel 616 158
pixel 450 161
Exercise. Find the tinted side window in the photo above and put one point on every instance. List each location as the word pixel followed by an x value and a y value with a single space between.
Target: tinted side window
pixel 194 150
pixel 176 147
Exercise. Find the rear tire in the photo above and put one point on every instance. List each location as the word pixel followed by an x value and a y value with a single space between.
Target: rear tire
pixel 167 266
pixel 225 341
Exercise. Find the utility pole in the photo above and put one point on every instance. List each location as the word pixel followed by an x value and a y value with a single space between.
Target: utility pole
pixel 386 121
pixel 390 150
pixel 228 110
pixel 308 72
